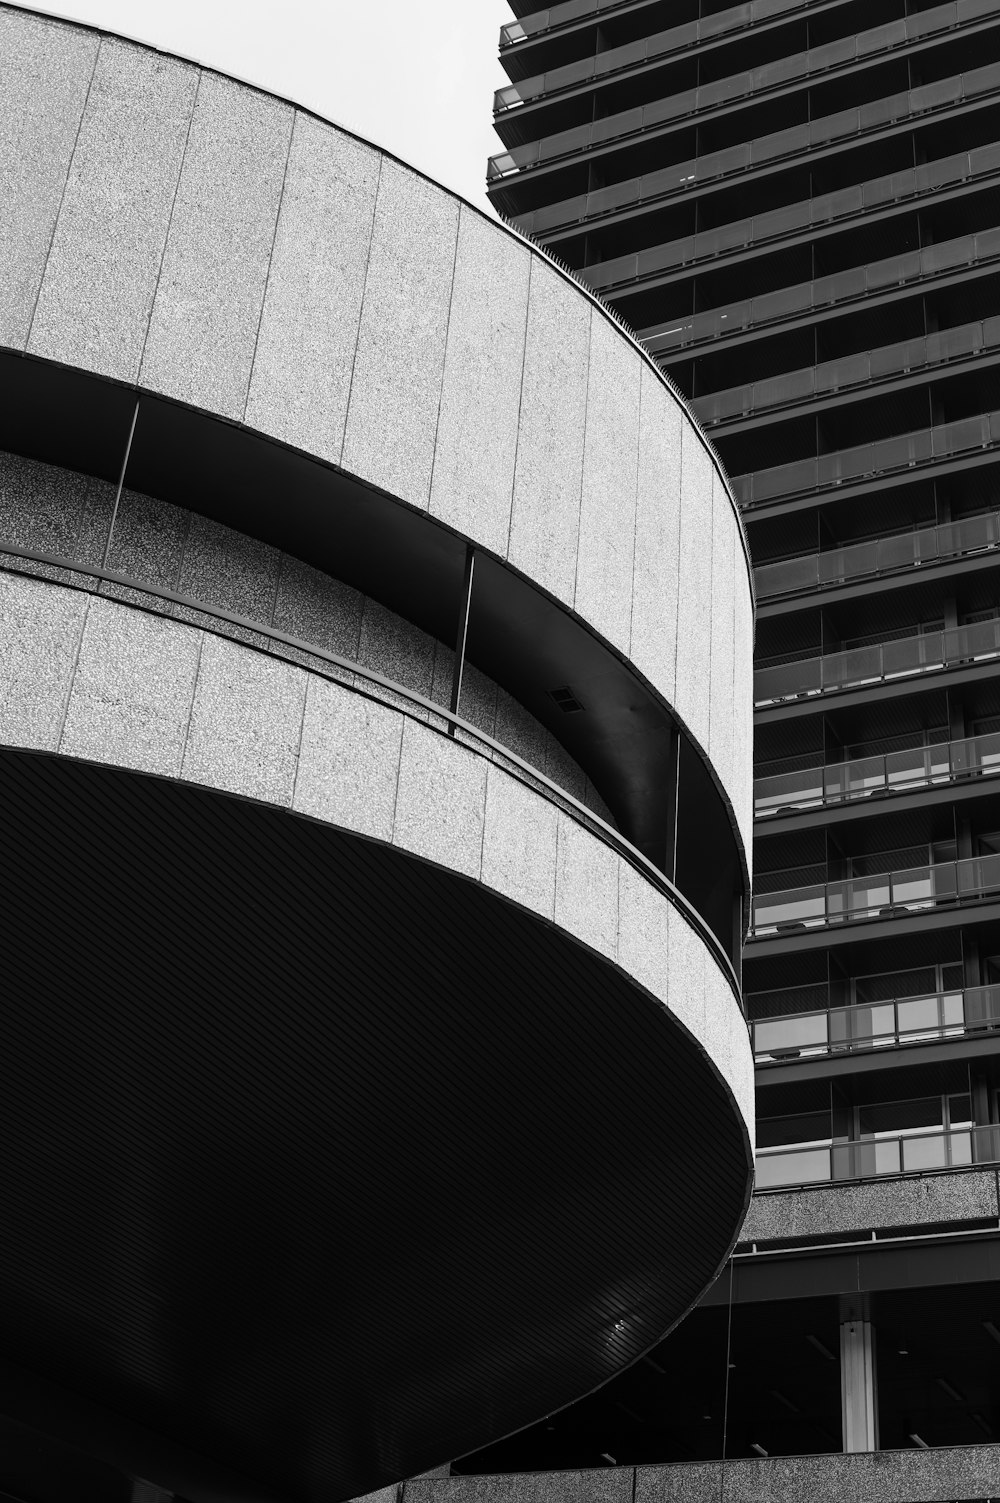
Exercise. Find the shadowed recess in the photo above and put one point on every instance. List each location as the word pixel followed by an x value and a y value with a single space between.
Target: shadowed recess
pixel 321 1164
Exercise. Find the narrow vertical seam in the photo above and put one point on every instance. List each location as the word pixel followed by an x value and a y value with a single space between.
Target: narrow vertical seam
pixel 583 461
pixel 62 195
pixel 307 677
pixel 270 263
pixel 520 406
pixel 170 222
pixel 71 682
pixel 194 698
pixel 399 773
pixel 444 357
pixel 361 311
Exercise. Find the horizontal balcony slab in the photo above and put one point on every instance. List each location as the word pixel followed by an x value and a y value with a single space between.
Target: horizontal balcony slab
pixel 963 1046
pixel 918 683
pixel 931 571
pixel 863 930
pixel 886 1205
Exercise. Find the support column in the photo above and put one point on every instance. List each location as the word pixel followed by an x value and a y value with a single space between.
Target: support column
pixel 858 1391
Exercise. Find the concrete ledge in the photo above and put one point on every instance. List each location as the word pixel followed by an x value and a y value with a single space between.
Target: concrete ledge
pixel 931 1476
pixel 877 1205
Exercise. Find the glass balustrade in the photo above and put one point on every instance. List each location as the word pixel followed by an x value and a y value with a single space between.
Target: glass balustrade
pixel 870 1158
pixel 834 376
pixel 912 891
pixel 876 1025
pixel 776 223
pixel 840 287
pixel 741 158
pixel 855 667
pixel 742 85
pixel 902 451
pixel 863 777
pixel 767 75
pixel 732 19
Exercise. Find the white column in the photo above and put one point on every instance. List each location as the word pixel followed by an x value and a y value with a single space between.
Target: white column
pixel 858 1397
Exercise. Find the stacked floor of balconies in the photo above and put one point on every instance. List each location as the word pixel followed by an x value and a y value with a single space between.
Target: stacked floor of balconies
pixel 797 207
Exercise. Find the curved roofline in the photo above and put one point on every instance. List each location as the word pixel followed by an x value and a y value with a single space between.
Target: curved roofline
pixel 495 218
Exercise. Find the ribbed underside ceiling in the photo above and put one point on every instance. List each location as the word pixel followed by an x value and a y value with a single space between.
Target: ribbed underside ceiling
pixel 319 1162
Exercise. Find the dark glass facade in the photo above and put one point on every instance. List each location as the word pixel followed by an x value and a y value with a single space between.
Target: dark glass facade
pixel 797 206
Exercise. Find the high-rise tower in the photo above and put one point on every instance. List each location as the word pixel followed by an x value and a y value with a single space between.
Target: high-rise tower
pixel 797 205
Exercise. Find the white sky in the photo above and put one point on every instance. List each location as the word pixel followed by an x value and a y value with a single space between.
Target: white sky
pixel 414 76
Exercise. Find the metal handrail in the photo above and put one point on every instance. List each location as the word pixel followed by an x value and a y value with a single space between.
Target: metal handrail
pixel 858 667
pixel 887 894
pixel 736 18
pixel 893 1022
pixel 791 219
pixel 415 705
pixel 852 285
pixel 865 777
pixel 837 53
pixel 681 177
pixel 895 1154
pixel 878 556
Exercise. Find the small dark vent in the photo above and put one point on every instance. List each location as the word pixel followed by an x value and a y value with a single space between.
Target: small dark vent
pixel 566 700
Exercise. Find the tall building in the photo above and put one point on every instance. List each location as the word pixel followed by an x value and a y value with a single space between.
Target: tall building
pixel 375 798
pixel 797 206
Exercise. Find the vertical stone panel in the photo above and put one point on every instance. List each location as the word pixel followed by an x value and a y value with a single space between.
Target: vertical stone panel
pixel 246 722
pixel 132 691
pixel 312 307
pixel 723 647
pixel 694 623
pixel 743 703
pixel 45 72
pixel 587 874
pixel 519 843
pixel 656 572
pixel 226 568
pixel 473 478
pixel 396 385
pixel 349 760
pixel 208 302
pixel 97 294
pixel 548 473
pixel 441 800
pixel 40 630
pixel 608 499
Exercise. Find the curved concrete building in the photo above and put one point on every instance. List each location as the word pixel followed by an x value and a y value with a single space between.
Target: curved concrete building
pixel 375 731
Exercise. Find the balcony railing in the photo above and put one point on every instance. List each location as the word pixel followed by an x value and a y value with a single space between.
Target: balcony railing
pixel 851 371
pixel 895 772
pixel 836 54
pixel 775 224
pixel 734 19
pixel 793 141
pixel 915 890
pixel 840 287
pixel 856 667
pixel 904 451
pixel 876 1025
pixel 871 1158
pixel 878 556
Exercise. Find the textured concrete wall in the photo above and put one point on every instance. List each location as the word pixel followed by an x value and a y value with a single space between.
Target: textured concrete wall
pixel 917 1476
pixel 877 1205
pixel 169 227
pixel 59 512
pixel 86 676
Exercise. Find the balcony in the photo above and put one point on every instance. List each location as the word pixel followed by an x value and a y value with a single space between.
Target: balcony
pixel 879 556
pixel 875 1157
pixel 735 19
pixel 904 451
pixel 918 889
pixel 891 1024
pixel 850 372
pixel 865 777
pixel 858 667
pixel 744 157
pixel 791 219
pixel 840 53
pixel 840 287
